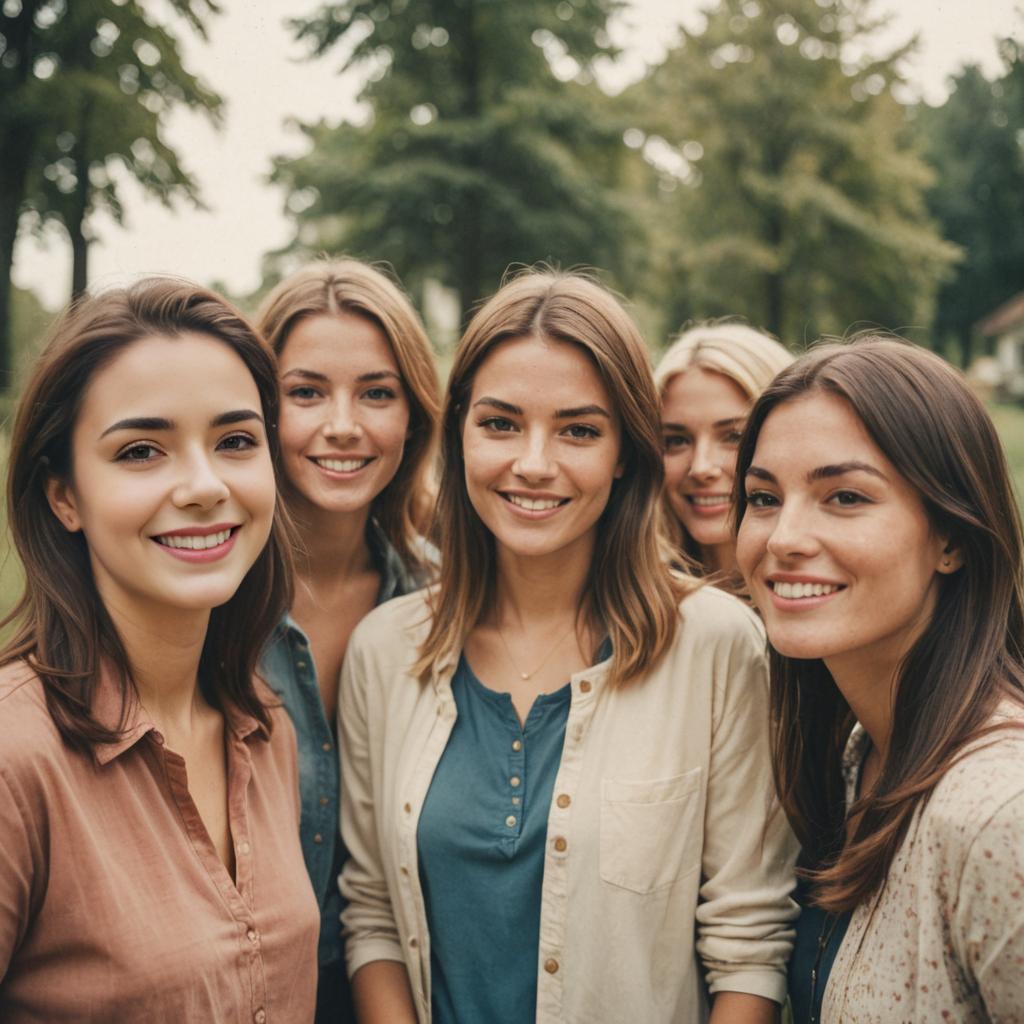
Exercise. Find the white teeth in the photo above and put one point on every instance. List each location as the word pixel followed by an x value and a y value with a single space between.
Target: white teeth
pixel 342 465
pixel 195 543
pixel 709 500
pixel 534 504
pixel 794 591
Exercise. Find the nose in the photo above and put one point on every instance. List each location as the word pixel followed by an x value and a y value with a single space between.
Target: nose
pixel 534 459
pixel 705 464
pixel 200 483
pixel 342 423
pixel 792 533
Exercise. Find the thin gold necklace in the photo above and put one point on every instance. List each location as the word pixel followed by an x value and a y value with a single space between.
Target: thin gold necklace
pixel 529 675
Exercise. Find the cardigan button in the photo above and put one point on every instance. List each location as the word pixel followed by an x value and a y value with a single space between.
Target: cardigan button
pixel 561 845
pixel 585 686
pixel 563 800
pixel 551 966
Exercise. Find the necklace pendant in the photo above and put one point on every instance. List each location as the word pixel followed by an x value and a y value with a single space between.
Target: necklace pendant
pixel 525 675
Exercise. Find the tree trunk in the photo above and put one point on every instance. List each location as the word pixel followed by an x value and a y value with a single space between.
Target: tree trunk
pixel 13 175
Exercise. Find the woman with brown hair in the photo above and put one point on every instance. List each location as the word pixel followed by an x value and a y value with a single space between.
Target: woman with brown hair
pixel 707 380
pixel 556 794
pixel 143 775
pixel 881 542
pixel 359 408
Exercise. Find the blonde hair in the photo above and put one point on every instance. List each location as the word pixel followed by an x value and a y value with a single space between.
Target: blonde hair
pixel 749 357
pixel 329 287
pixel 631 593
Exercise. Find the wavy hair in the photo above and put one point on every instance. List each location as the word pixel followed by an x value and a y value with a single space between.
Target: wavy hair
pixel 61 626
pixel 630 593
pixel 936 433
pixel 748 357
pixel 403 509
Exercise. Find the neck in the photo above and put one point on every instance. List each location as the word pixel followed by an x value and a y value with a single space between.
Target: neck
pixel 870 701
pixel 163 652
pixel 333 544
pixel 719 557
pixel 539 591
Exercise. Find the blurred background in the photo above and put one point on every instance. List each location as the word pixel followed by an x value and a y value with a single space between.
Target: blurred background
pixel 811 165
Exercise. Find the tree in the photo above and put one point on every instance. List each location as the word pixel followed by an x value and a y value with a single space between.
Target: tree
pixel 475 154
pixel 85 84
pixel 793 192
pixel 976 142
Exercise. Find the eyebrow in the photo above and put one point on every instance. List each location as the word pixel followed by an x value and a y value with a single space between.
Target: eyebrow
pixel 305 375
pixel 159 423
pixel 730 422
pixel 362 378
pixel 823 472
pixel 560 414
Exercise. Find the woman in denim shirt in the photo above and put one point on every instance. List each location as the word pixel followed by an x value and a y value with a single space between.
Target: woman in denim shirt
pixel 359 407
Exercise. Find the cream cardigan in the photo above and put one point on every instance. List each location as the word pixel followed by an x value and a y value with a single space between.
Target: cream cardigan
pixel 668 857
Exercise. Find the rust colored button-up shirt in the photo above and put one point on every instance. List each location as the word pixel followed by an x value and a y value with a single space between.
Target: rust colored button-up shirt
pixel 114 905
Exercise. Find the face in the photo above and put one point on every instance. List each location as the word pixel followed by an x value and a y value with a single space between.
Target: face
pixel 541 443
pixel 702 417
pixel 172 483
pixel 344 413
pixel 835 545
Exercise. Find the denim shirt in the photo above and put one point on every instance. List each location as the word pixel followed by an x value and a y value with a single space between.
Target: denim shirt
pixel 287 667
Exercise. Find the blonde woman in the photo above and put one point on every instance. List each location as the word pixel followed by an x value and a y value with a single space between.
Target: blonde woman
pixel 359 407
pixel 708 380
pixel 556 784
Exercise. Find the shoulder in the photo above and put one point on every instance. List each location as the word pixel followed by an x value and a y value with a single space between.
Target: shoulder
pixel 27 732
pixel 715 616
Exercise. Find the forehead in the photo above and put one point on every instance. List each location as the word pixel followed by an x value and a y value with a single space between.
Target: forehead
pixel 337 340
pixel 700 394
pixel 819 429
pixel 169 376
pixel 542 374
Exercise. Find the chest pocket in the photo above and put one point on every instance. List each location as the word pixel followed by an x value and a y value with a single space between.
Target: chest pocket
pixel 651 834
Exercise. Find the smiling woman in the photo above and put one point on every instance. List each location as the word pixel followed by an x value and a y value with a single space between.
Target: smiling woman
pixel 880 540
pixel 139 762
pixel 555 763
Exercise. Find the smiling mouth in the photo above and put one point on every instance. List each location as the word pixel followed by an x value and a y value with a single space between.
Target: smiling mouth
pixel 799 591
pixel 534 504
pixel 195 542
pixel 341 465
pixel 709 500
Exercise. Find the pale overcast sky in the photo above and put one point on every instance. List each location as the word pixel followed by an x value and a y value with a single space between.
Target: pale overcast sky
pixel 251 60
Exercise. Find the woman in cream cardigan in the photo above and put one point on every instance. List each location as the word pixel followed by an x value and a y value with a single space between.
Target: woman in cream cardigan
pixel 556 787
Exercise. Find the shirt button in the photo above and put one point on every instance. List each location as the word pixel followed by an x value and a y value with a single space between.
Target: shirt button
pixel 561 845
pixel 300 664
pixel 517 745
pixel 515 801
pixel 252 935
pixel 318 839
pixel 243 847
pixel 511 821
pixel 260 1016
pixel 325 746
pixel 405 871
pixel 551 966
pixel 324 801
pixel 585 686
pixel 563 800
pixel 514 781
pixel 413 943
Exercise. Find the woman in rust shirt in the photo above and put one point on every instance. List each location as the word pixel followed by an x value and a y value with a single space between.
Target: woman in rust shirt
pixel 144 873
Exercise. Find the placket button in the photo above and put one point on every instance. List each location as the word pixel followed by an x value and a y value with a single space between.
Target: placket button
pixel 563 800
pixel 551 966
pixel 561 845
pixel 511 821
pixel 318 839
pixel 260 1016
pixel 585 686
pixel 517 745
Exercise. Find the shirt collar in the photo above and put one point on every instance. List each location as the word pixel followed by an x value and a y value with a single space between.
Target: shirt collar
pixel 126 716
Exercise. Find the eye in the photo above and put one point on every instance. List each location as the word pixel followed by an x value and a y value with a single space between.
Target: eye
pixel 138 452
pixel 303 393
pixel 674 442
pixel 848 499
pixel 379 394
pixel 498 424
pixel 582 432
pixel 762 499
pixel 732 437
pixel 237 443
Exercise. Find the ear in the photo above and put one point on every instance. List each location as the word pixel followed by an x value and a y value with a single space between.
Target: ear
pixel 620 468
pixel 951 559
pixel 61 497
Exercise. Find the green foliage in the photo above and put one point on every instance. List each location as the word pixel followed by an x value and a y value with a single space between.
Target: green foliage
pixel 976 140
pixel 474 155
pixel 792 191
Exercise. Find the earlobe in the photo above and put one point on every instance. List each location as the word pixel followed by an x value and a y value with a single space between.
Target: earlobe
pixel 62 503
pixel 951 559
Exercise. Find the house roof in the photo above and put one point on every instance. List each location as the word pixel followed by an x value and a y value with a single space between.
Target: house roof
pixel 1004 318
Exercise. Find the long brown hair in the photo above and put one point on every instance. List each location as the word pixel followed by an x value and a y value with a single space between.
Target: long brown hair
pixel 930 426
pixel 62 627
pixel 631 593
pixel 404 507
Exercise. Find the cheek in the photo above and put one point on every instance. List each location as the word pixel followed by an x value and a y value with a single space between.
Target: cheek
pixel 391 430
pixel 675 469
pixel 295 426
pixel 750 544
pixel 256 488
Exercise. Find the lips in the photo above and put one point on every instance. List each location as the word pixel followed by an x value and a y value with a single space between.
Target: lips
pixel 350 464
pixel 800 590
pixel 533 504
pixel 199 543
